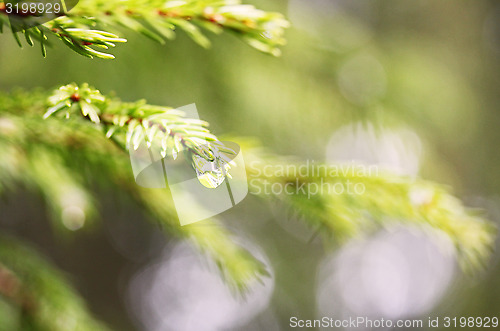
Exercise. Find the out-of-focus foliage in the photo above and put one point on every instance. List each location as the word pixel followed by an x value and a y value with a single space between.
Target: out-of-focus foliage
pixel 35 296
pixel 385 199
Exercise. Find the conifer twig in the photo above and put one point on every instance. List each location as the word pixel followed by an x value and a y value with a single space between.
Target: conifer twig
pixel 85 28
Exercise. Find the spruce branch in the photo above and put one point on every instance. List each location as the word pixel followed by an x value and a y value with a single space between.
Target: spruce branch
pixel 138 122
pixel 86 27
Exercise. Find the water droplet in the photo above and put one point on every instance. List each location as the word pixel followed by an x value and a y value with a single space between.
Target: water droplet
pixel 210 174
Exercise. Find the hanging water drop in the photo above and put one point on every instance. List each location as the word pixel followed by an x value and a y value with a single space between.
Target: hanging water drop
pixel 210 174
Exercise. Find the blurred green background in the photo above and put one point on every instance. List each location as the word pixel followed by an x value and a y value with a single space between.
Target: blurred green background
pixel 428 68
